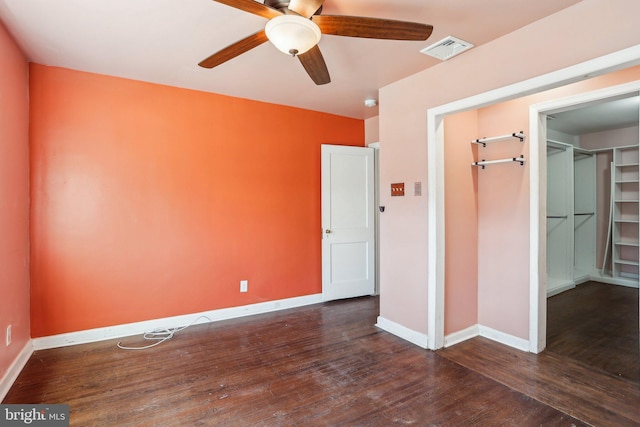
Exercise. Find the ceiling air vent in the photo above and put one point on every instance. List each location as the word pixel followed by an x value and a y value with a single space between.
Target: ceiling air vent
pixel 446 48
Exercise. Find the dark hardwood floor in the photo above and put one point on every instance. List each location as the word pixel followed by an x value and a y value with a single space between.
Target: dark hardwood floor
pixel 590 368
pixel 597 324
pixel 322 365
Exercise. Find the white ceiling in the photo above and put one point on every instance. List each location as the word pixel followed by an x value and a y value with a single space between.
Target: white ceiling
pixel 162 41
pixel 606 115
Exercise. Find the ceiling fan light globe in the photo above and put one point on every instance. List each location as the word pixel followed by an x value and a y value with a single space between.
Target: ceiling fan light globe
pixel 292 33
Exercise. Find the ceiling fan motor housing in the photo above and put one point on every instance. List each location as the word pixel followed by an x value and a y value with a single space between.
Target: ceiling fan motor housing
pixel 283 6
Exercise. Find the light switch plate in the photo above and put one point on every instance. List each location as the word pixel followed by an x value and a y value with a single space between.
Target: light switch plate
pixel 397 189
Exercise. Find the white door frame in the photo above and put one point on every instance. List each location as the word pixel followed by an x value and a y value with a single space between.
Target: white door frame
pixel 376 171
pixel 358 273
pixel 436 215
pixel 538 138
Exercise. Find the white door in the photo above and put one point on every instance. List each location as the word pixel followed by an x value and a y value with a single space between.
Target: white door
pixel 348 222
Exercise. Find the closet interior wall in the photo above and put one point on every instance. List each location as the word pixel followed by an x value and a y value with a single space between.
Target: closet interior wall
pixel 584 215
pixel 592 216
pixel 571 216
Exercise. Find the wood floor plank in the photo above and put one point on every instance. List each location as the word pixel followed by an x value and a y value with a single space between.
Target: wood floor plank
pixel 590 366
pixel 323 365
pixel 567 385
pixel 597 324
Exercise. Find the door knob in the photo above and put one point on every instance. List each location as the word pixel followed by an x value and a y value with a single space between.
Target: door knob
pixel 328 231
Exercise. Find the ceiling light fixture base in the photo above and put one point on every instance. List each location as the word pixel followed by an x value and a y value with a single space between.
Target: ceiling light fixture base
pixel 293 34
pixel 370 102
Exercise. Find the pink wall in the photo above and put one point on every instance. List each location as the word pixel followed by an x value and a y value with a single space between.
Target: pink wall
pixel 503 222
pixel 461 207
pixel 603 200
pixel 14 199
pixel 372 130
pixel 610 138
pixel 523 54
pixel 151 201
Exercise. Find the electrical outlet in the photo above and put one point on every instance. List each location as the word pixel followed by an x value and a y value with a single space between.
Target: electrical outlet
pixel 244 285
pixel 8 336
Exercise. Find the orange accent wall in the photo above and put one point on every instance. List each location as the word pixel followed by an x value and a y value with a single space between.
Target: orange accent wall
pixel 14 199
pixel 153 201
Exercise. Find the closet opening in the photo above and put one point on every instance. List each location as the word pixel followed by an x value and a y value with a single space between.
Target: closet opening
pixel 529 307
pixel 592 234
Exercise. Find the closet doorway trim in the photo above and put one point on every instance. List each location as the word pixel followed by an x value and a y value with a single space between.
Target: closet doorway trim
pixel 436 216
pixel 538 131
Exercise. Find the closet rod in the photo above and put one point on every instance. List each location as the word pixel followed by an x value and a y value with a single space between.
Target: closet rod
pixel 484 141
pixel 556 216
pixel 577 150
pixel 553 147
pixel 483 163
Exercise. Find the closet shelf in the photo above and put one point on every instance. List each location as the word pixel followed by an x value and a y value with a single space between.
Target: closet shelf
pixel 634 244
pixel 627 262
pixel 484 141
pixel 624 221
pixel 484 163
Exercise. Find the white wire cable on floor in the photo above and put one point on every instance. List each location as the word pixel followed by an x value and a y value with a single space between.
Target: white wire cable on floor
pixel 160 335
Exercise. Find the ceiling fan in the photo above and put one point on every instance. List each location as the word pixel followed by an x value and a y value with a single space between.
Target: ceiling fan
pixel 295 28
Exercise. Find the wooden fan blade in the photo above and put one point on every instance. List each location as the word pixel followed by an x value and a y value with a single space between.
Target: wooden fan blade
pixel 234 50
pixel 305 8
pixel 372 28
pixel 314 64
pixel 252 6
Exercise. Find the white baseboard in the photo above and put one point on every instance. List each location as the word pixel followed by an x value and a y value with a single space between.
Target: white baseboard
pixel 486 332
pixel 457 337
pixel 560 289
pixel 630 282
pixel 119 331
pixel 14 370
pixel 503 338
pixel 403 332
pixel 463 335
pixel 582 279
pixel 630 276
